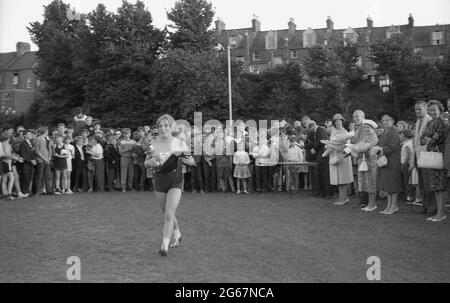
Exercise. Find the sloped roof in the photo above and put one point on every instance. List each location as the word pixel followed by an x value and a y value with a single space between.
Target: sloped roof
pixel 26 61
pixel 6 59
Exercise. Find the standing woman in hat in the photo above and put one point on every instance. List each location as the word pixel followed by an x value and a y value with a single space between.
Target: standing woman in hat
pixel 390 175
pixel 168 185
pixel 434 138
pixel 341 170
pixel 367 165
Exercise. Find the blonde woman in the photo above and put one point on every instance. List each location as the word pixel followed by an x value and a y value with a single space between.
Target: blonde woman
pixel 168 185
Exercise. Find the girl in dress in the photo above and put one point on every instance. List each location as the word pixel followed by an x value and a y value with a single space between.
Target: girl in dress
pixel 60 164
pixel 70 155
pixel 241 171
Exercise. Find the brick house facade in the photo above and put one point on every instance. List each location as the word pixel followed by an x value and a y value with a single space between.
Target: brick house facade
pixel 18 81
pixel 259 50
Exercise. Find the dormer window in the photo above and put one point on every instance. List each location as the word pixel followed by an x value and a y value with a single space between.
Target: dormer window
pixel 271 40
pixel 28 82
pixel 392 31
pixel 256 56
pixel 350 36
pixel 436 38
pixel 309 38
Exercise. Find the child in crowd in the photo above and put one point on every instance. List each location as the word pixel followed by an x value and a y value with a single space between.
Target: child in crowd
pixel 70 155
pixel 294 154
pixel 406 159
pixel 60 156
pixel 241 161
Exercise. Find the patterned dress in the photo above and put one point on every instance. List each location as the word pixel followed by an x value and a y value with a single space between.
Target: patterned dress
pixel 436 130
pixel 367 180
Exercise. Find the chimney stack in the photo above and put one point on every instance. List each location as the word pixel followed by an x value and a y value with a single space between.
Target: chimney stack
pixel 330 24
pixel 292 26
pixel 369 22
pixel 220 25
pixel 256 25
pixel 410 21
pixel 22 48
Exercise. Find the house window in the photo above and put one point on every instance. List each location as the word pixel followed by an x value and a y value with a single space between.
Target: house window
pixel 255 69
pixel 256 56
pixel 28 82
pixel 6 96
pixel 240 59
pixel 437 38
pixel 16 79
pixel 293 54
pixel 38 83
pixel 234 41
pixel 277 61
pixel 385 84
pixel 418 51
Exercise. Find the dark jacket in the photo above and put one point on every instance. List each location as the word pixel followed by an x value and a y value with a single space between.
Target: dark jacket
pixel 26 152
pixel 77 162
pixel 112 156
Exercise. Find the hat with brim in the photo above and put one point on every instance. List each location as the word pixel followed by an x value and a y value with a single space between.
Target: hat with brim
pixel 338 117
pixel 370 123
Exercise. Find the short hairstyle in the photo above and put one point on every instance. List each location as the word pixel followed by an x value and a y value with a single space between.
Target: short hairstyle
pixel 169 120
pixel 97 138
pixel 42 130
pixel 437 103
pixel 78 139
pixel 126 131
pixel 359 112
pixel 421 102
pixel 58 136
pixel 407 133
pixel 60 124
pixel 28 131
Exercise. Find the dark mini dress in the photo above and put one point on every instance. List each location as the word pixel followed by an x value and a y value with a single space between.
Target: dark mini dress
pixel 166 181
pixel 59 163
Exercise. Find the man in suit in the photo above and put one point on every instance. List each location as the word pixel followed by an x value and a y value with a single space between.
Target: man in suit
pixel 323 167
pixel 421 109
pixel 43 156
pixel 79 165
pixel 112 161
pixel 26 151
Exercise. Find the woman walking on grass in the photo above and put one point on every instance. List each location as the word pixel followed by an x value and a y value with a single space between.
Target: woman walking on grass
pixel 168 183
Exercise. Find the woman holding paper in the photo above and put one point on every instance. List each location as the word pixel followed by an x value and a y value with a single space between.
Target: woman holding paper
pixel 341 173
pixel 168 181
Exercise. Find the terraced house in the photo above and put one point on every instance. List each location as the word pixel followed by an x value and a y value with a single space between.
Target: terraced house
pixel 259 50
pixel 18 82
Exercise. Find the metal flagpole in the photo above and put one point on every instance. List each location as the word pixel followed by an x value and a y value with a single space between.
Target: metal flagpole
pixel 229 85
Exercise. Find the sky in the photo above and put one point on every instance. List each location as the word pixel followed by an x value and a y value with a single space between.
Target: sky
pixel 15 15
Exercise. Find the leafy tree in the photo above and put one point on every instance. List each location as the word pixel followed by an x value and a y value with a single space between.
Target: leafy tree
pixel 192 20
pixel 395 57
pixel 186 81
pixel 56 38
pixel 326 70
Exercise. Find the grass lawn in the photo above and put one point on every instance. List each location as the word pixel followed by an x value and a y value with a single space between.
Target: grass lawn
pixel 226 238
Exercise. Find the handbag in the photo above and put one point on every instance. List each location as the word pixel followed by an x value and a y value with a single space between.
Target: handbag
pixel 334 159
pixel 431 160
pixel 382 160
pixel 363 166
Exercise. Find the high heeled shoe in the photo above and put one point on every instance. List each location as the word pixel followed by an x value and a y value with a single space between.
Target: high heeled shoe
pixel 162 252
pixel 176 242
